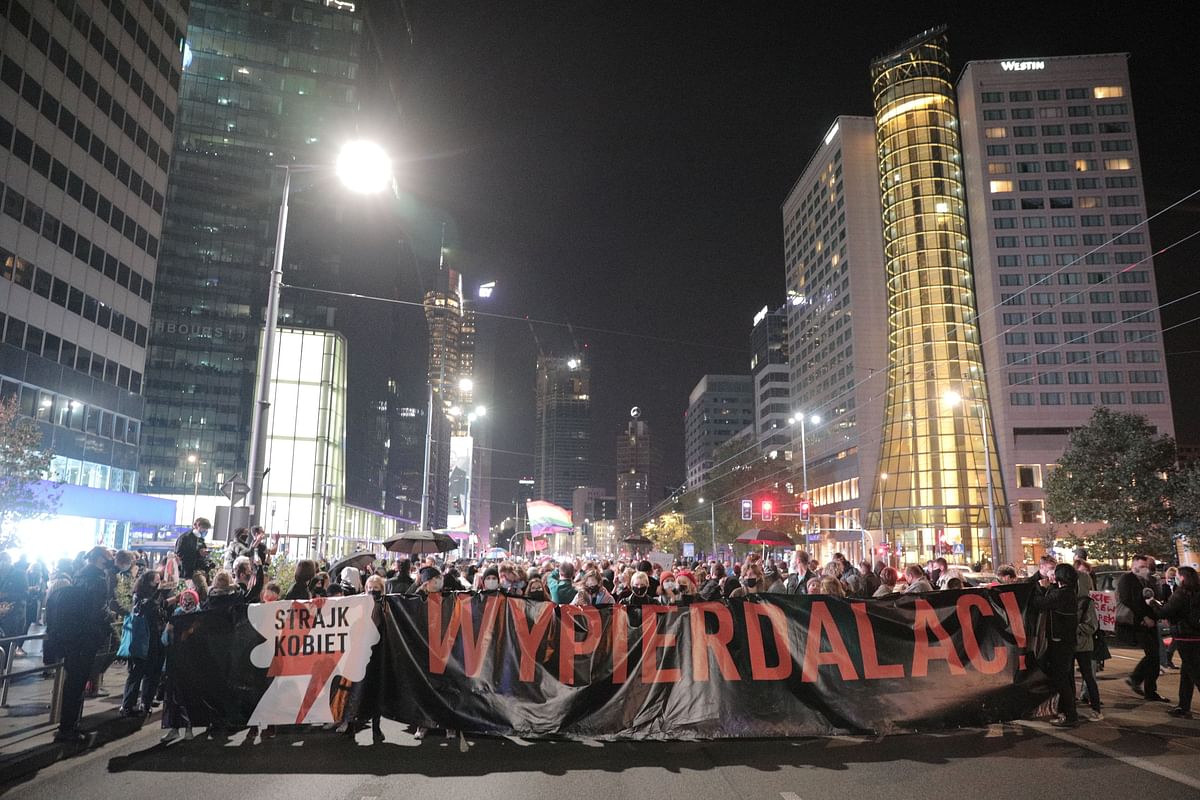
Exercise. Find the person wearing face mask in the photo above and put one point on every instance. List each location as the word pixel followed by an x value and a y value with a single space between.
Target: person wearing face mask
pixel 534 590
pixel 375 586
pixel 668 588
pixel 752 579
pixel 489 582
pixel 592 592
pixel 144 648
pixel 639 591
pixel 175 714
pixel 687 588
pixel 1137 626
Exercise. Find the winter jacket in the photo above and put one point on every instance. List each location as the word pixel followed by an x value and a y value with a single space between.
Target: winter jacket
pixel 1183 609
pixel 1089 623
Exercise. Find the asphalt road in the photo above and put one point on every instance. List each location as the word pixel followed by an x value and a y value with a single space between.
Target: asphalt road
pixel 1137 751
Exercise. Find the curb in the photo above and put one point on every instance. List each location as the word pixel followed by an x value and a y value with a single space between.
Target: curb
pixel 101 729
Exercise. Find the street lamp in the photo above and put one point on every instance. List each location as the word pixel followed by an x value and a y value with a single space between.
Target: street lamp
pixel 712 519
pixel 364 168
pixel 801 418
pixel 472 416
pixel 952 398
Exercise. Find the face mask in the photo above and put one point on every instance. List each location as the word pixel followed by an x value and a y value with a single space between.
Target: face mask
pixel 506 584
pixel 491 584
pixel 640 589
pixel 685 588
pixel 519 585
pixel 536 594
pixel 669 585
pixel 750 582
pixel 376 594
pixel 592 588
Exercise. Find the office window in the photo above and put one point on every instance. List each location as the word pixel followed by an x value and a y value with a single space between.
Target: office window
pixel 1020 398
pixel 1118 163
pixel 1000 186
pixel 1029 476
pixel 1051 399
pixel 1082 398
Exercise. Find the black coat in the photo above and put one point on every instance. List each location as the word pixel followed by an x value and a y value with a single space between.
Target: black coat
pixel 1129 593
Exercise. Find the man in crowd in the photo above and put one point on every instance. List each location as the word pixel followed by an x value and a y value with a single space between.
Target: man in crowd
pixel 799 577
pixel 187 546
pixel 1132 591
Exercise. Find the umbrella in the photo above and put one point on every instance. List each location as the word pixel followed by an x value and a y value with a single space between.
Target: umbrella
pixel 764 536
pixel 495 553
pixel 359 561
pixel 420 543
pixel 638 541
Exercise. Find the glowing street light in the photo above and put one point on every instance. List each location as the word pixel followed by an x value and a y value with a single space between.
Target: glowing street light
pixel 363 167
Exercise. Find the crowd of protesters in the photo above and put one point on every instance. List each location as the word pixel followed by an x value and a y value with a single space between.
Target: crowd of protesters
pixel 83 610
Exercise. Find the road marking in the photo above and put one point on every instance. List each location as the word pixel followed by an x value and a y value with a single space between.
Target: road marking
pixel 789 796
pixel 1104 750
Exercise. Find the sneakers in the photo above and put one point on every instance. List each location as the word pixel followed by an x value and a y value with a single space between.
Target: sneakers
pixel 1179 712
pixel 171 735
pixel 1095 715
pixel 1062 721
pixel 421 731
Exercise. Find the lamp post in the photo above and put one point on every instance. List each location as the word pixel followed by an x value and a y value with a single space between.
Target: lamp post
pixel 364 168
pixel 712 520
pixel 953 398
pixel 882 527
pixel 801 417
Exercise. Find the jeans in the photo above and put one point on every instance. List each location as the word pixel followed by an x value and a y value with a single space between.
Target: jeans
pixel 1189 672
pixel 1145 674
pixel 144 675
pixel 1091 689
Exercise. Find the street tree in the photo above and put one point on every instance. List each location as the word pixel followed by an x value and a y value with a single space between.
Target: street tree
pixel 668 532
pixel 23 464
pixel 1116 470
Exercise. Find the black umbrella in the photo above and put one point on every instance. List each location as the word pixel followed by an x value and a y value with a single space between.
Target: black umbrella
pixel 415 543
pixel 638 541
pixel 359 561
pixel 765 537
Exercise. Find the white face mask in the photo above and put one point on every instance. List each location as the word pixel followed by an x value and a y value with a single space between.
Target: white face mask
pixel 669 585
pixel 491 583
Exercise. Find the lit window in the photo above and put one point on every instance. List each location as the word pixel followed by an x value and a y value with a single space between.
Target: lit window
pixel 1001 186
pixel 999 168
pixel 1117 163
pixel 1104 92
pixel 1081 165
pixel 995 133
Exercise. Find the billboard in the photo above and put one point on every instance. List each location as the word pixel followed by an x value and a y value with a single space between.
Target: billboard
pixel 461 449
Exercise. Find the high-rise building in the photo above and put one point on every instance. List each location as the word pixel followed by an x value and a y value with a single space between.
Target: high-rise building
pixel 562 429
pixel 772 379
pixel 263 84
pixel 639 474
pixel 719 408
pixel 837 312
pixel 1063 256
pixel 88 97
pixel 937 454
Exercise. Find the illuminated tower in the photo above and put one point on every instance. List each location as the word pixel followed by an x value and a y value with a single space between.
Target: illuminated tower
pixel 934 452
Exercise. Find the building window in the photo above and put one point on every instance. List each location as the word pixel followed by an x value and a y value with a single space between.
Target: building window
pixel 1117 163
pixel 1029 476
pixel 1031 512
pixel 1001 186
pixel 1082 398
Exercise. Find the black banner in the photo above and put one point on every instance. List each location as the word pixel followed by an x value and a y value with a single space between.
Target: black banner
pixel 777 665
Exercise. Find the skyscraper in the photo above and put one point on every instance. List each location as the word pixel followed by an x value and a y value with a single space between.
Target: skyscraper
pixel 1066 278
pixel 837 312
pixel 719 408
pixel 936 454
pixel 772 381
pixel 86 119
pixel 263 84
pixel 562 428
pixel 639 474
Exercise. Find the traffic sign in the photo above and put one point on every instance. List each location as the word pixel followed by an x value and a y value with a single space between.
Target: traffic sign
pixel 235 489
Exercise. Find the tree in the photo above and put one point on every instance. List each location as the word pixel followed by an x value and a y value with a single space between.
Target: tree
pixel 23 463
pixel 668 532
pixel 1117 471
pixel 1185 500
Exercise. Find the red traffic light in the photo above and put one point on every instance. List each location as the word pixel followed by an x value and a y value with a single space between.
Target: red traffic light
pixel 767 510
pixel 805 510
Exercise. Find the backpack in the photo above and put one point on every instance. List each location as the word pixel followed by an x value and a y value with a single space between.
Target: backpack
pixel 66 621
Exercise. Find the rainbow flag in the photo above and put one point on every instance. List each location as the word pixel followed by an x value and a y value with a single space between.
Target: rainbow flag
pixel 547 518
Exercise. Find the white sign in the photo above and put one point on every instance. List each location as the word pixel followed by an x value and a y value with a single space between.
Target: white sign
pixel 1106 609
pixel 689 550
pixel 1021 66
pixel 663 560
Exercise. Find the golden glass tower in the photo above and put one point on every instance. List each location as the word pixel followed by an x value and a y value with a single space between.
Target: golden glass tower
pixel 934 451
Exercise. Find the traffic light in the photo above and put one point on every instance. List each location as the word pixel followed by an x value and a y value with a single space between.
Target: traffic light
pixel 805 510
pixel 767 509
pixel 747 510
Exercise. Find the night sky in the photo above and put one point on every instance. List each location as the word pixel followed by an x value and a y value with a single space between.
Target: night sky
pixel 621 165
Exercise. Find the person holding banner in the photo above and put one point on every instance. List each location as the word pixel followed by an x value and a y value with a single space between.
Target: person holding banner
pixel 1056 600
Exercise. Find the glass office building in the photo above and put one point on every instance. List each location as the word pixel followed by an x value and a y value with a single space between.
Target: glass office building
pixel 934 452
pixel 263 84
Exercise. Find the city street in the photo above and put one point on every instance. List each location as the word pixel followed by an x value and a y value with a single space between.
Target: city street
pixel 1136 748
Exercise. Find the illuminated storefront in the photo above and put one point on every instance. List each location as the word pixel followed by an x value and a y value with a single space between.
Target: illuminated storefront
pixel 934 452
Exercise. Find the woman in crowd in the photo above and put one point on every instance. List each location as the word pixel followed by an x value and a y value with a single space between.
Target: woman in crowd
pixel 591 591
pixel 319 585
pixel 639 591
pixel 751 582
pixel 306 569
pixel 1056 599
pixel 833 586
pixel 888 578
pixel 175 714
pixel 1085 643
pixel 223 594
pixel 511 582
pixel 534 590
pixel 145 637
pixel 1183 609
